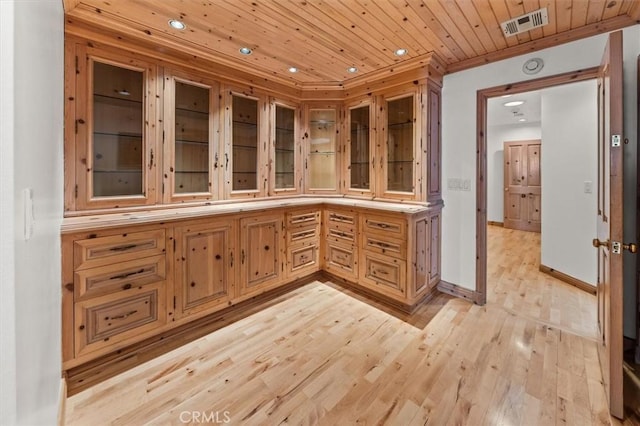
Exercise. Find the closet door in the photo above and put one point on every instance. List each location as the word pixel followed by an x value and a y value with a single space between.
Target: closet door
pixel 522 185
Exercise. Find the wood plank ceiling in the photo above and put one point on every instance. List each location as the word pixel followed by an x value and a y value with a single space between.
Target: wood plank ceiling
pixel 323 38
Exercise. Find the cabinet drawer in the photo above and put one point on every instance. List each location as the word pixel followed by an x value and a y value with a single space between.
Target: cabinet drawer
pixel 104 321
pixel 341 218
pixel 122 276
pixel 303 218
pixel 341 236
pixel 386 246
pixel 385 275
pixel 395 227
pixel 306 234
pixel 101 251
pixel 303 257
pixel 341 260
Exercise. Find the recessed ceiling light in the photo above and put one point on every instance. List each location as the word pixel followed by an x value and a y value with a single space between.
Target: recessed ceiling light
pixel 523 119
pixel 506 96
pixel 513 103
pixel 124 92
pixel 293 69
pixel 245 51
pixel 178 25
pixel 352 69
pixel 401 52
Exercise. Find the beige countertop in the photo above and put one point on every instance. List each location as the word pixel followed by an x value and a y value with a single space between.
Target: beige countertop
pixel 178 212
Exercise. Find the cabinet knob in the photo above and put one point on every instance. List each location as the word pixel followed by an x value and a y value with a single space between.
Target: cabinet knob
pixel 266 248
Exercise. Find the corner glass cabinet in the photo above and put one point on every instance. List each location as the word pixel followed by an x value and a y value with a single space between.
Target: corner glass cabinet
pixel 322 148
pixel 400 145
pixel 285 148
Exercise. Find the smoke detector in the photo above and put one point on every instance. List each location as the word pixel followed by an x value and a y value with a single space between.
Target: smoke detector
pixel 526 22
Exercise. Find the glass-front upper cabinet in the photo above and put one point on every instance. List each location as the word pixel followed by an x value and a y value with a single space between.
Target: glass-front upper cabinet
pixel 286 153
pixel 115 134
pixel 245 153
pixel 399 162
pixel 321 139
pixel 359 150
pixel 191 157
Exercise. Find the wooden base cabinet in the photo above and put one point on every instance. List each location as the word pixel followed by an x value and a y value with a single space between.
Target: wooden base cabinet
pixel 125 284
pixel 205 268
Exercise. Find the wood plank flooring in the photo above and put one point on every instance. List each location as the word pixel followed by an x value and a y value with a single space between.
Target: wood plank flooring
pixel 324 355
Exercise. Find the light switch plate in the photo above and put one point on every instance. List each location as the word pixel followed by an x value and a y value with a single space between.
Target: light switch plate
pixel 588 187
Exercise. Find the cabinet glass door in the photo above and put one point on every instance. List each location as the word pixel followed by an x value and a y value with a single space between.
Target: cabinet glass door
pixel 285 148
pixel 191 167
pixel 359 150
pixel 117 139
pixel 322 149
pixel 245 144
pixel 400 148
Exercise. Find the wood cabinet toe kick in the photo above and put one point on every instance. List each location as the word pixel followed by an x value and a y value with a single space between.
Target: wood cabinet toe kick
pixel 123 283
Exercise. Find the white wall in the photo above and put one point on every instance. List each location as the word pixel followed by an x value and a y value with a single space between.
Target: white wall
pixel 459 144
pixel 496 136
pixel 569 159
pixel 7 287
pixel 32 157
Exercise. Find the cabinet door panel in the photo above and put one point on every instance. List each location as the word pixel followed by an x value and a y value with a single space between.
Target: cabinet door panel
pixel 434 251
pixel 384 274
pixel 421 256
pixel 104 321
pixel 341 260
pixel 260 252
pixel 206 272
pixel 205 268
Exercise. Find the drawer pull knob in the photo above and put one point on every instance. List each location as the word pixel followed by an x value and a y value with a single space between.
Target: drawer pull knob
pixel 124 316
pixel 379 271
pixel 382 225
pixel 123 248
pixel 266 248
pixel 126 274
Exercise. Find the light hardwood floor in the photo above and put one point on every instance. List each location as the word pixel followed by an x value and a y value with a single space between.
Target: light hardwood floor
pixel 323 355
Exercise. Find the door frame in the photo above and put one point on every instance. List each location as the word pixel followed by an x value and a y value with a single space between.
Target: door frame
pixel 481 159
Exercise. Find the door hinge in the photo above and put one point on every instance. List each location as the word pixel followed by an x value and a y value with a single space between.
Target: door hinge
pixel 616 247
pixel 615 141
pixel 76 191
pixel 174 302
pixel 163 187
pixel 77 68
pixel 163 136
pixel 174 244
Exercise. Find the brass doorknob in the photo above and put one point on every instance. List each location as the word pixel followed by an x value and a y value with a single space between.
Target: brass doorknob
pixel 631 247
pixel 597 243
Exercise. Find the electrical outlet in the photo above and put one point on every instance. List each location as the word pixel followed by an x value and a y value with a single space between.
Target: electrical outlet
pixel 466 185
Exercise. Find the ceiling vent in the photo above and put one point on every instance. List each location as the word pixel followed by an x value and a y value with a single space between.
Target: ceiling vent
pixel 526 22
